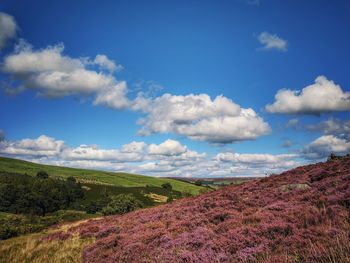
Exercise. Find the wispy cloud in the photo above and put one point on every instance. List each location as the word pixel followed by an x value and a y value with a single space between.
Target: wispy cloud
pixel 8 28
pixel 272 42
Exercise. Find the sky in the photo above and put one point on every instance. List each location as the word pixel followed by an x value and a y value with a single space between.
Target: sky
pixel 175 88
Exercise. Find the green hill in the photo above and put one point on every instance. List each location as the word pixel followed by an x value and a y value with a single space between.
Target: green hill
pixel 93 176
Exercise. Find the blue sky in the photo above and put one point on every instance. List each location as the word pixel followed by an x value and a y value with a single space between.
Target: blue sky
pixel 82 74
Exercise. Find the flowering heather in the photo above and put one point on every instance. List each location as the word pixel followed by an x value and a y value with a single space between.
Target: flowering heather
pixel 301 215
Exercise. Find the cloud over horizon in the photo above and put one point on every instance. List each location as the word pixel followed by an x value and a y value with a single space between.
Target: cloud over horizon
pixel 169 158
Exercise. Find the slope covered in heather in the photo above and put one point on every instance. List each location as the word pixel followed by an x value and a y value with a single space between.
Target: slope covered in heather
pixel 301 215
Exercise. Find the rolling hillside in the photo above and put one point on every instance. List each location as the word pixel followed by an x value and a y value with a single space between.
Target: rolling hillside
pixel 301 215
pixel 94 176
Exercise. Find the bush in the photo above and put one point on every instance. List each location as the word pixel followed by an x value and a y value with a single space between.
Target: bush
pixel 167 186
pixel 42 175
pixel 122 204
pixel 92 208
pixel 170 198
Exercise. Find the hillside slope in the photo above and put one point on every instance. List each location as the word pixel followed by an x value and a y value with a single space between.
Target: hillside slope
pixel 118 179
pixel 301 215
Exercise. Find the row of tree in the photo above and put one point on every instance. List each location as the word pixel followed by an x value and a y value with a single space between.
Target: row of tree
pixel 37 195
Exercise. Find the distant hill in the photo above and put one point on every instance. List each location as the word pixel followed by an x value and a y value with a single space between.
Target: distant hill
pixel 93 176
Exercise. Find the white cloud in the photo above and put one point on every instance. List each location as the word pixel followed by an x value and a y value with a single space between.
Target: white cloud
pixel 169 147
pixel 113 96
pixel 169 158
pixel 43 146
pixel 134 147
pixel 8 28
pixel 54 74
pixel 256 159
pixel 106 64
pixel 200 118
pixel 324 146
pixel 92 152
pixel 272 41
pixel 322 96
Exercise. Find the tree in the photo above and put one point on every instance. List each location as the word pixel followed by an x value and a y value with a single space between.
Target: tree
pixel 198 183
pixel 122 204
pixel 167 186
pixel 42 175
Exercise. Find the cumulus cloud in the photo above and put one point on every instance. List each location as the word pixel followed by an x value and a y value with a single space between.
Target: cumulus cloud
pixel 43 146
pixel 8 28
pixel 201 118
pixel 92 152
pixel 113 96
pixel 322 96
pixel 53 74
pixel 272 42
pixel 324 146
pixel 107 64
pixel 169 147
pixel 255 164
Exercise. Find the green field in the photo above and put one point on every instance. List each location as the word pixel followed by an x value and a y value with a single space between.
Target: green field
pixel 93 176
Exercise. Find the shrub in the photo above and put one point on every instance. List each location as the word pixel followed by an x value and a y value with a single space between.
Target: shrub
pixel 167 186
pixel 170 199
pixel 122 204
pixel 42 175
pixel 92 207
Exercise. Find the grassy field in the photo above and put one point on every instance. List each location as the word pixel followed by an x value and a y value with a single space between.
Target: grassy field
pixel 94 176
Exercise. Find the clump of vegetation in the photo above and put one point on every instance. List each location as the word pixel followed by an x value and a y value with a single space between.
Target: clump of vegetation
pixel 121 204
pixel 167 186
pixel 13 225
pixel 37 195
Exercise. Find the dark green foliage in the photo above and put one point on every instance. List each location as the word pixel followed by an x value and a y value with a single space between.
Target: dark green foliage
pixel 42 175
pixel 167 186
pixel 170 198
pixel 36 195
pixel 12 225
pixel 92 207
pixel 198 183
pixel 122 204
pixel 186 194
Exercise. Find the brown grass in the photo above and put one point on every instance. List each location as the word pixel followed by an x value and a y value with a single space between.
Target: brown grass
pixel 31 248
